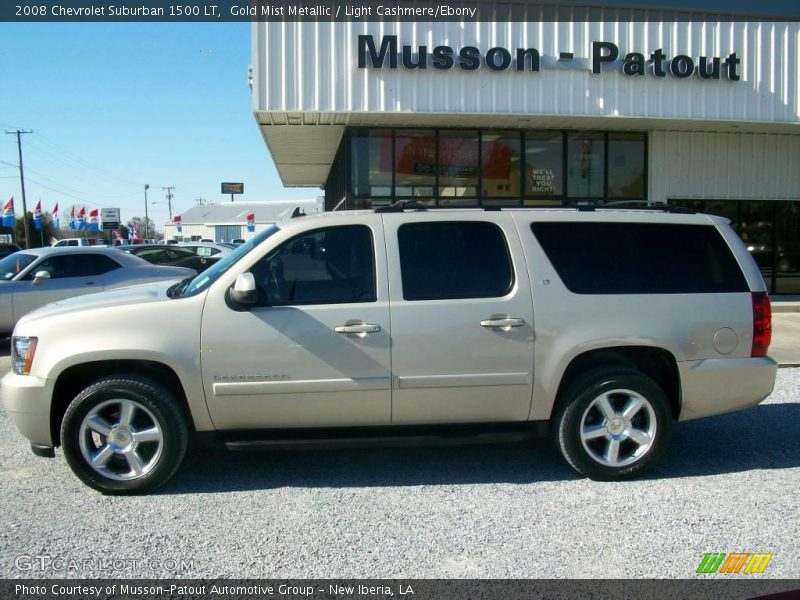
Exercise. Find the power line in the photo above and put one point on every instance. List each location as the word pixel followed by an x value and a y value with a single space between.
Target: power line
pixel 19 133
pixel 85 163
pixel 78 169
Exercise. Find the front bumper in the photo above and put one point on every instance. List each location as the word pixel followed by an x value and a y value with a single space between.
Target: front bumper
pixel 26 399
pixel 717 386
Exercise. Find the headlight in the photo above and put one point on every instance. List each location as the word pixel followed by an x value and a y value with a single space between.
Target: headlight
pixel 22 351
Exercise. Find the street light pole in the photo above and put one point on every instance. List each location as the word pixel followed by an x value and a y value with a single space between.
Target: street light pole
pixel 146 220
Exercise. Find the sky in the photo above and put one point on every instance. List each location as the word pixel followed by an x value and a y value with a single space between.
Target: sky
pixel 115 106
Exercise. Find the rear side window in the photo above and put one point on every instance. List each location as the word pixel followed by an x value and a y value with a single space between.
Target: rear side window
pixel 454 259
pixel 640 258
pixel 104 264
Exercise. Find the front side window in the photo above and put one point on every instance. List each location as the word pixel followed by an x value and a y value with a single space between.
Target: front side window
pixel 454 259
pixel 334 265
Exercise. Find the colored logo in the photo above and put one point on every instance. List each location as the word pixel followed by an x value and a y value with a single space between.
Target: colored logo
pixel 735 563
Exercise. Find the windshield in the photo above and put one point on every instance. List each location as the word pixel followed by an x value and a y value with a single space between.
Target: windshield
pixel 13 264
pixel 210 275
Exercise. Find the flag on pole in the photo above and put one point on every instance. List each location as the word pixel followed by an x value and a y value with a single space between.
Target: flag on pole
pixel 80 223
pixel 37 215
pixel 8 213
pixel 72 225
pixel 131 231
pixel 251 222
pixel 178 223
pixel 55 217
pixel 94 220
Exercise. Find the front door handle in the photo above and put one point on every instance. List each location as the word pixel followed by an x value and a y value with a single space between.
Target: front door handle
pixel 361 328
pixel 504 322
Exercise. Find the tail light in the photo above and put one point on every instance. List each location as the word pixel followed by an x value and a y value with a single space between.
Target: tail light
pixel 762 324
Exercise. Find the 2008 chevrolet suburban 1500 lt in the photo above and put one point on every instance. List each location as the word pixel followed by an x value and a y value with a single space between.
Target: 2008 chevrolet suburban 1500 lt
pixel 605 326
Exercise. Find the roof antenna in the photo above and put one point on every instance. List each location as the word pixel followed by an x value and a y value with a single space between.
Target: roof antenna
pixel 297 212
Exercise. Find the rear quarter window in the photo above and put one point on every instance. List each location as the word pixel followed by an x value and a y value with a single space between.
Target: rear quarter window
pixel 640 258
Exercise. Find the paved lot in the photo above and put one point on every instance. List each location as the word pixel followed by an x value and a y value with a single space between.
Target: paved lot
pixel 727 484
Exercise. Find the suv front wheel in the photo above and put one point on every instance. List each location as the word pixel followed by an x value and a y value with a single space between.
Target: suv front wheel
pixel 612 423
pixel 124 435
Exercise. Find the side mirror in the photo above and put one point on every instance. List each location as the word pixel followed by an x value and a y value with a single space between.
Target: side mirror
pixel 40 276
pixel 244 290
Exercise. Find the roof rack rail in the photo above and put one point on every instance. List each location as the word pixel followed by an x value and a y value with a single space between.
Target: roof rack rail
pixel 681 210
pixel 400 206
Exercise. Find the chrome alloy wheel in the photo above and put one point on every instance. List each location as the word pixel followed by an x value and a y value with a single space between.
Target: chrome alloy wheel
pixel 121 440
pixel 618 428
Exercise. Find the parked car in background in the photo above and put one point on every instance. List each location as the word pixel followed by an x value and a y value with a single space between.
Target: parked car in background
pixel 206 249
pixel 172 256
pixel 6 249
pixel 32 278
pixel 79 242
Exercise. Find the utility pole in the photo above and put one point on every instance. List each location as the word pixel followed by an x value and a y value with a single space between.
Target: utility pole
pixel 169 189
pixel 18 133
pixel 146 220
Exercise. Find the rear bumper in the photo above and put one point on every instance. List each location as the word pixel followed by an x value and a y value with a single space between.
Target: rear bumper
pixel 26 399
pixel 716 386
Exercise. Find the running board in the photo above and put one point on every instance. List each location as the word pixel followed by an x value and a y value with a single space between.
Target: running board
pixel 382 437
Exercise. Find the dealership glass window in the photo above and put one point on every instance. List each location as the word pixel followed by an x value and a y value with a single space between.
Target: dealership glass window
pixel 755 225
pixel 371 162
pixel 500 164
pixel 414 162
pixel 626 165
pixel 458 166
pixel 544 164
pixel 586 165
pixel 787 247
pixel 454 259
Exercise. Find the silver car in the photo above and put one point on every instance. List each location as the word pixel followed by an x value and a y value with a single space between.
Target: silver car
pixel 32 278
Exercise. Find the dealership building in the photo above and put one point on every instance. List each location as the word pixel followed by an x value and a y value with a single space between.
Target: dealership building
pixel 701 114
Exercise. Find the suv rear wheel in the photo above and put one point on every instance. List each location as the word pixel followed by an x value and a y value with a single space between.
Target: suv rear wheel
pixel 124 435
pixel 612 423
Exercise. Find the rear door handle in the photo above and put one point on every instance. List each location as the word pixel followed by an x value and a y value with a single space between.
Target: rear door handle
pixel 363 328
pixel 505 322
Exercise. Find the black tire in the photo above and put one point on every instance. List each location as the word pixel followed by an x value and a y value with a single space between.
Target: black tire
pixel 580 408
pixel 154 412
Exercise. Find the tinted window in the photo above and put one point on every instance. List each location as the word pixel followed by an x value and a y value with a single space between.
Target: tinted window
pixel 454 260
pixel 104 264
pixel 66 265
pixel 640 258
pixel 326 266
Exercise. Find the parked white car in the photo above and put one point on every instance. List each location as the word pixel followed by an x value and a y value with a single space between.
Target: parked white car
pixel 77 241
pixel 32 278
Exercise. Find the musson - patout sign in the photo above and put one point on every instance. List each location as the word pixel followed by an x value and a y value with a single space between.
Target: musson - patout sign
pixel 470 58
